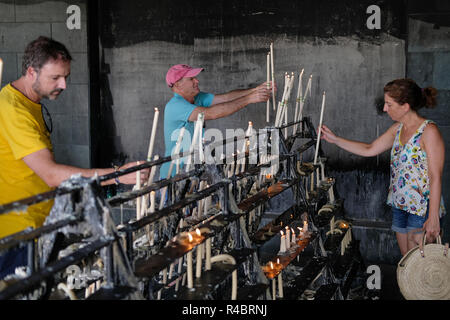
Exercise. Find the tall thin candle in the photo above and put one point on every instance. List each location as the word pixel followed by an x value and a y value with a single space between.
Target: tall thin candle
pixel 320 128
pixel 273 75
pixel 268 86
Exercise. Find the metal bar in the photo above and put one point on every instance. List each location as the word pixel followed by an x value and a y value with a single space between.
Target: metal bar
pixel 124 197
pixel 34 280
pixel 21 204
pixel 289 124
pixel 17 238
pixel 158 214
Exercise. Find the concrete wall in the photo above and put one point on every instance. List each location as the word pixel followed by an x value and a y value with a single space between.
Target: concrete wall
pixel 230 39
pixel 22 21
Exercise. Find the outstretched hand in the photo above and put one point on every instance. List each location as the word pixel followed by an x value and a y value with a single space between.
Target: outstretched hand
pixel 327 134
pixel 131 177
pixel 261 93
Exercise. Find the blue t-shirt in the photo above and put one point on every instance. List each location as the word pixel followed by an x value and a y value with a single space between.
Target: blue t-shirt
pixel 176 115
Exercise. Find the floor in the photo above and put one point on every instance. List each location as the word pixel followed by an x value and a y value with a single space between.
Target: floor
pixel 389 287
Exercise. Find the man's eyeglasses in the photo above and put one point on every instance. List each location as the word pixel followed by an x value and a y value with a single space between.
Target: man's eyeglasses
pixel 47 118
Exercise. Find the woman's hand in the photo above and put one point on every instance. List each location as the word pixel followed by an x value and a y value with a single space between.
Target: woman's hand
pixel 327 134
pixel 432 228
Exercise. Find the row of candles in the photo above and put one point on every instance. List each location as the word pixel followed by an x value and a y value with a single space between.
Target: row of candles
pixel 289 238
pixel 282 110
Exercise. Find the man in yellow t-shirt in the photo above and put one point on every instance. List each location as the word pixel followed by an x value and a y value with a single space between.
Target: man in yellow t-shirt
pixel 26 157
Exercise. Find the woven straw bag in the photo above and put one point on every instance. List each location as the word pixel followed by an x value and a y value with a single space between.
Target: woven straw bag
pixel 424 272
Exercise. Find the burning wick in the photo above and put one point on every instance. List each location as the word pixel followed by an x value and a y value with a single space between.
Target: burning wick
pixel 197 231
pixel 190 237
pixel 271 265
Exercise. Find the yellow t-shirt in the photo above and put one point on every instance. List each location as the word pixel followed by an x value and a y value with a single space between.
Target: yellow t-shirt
pixel 22 132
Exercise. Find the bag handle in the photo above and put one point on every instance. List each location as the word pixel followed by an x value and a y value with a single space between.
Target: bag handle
pixel 401 263
pixel 422 243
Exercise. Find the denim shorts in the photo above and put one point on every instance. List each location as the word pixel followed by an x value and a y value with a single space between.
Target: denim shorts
pixel 404 222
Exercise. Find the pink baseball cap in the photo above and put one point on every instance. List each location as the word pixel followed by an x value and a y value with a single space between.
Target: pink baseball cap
pixel 180 71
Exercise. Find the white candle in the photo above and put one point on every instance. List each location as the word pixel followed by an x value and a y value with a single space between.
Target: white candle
pixel 138 199
pixel 293 239
pixel 303 98
pixel 322 168
pixel 172 266
pixel 198 130
pixel 273 75
pixel 282 243
pixel 320 128
pixel 152 135
pixel 300 233
pixel 317 177
pixel 297 101
pixel 331 194
pixel 152 201
pixel 198 270
pixel 169 173
pixel 280 286
pixel 288 238
pixel 274 289
pixel 208 254
pixel 268 86
pixel 180 265
pixel 189 266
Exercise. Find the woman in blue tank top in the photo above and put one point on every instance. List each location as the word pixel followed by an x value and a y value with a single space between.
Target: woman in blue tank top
pixel 417 161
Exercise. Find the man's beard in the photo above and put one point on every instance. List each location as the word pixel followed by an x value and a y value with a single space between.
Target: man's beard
pixel 45 95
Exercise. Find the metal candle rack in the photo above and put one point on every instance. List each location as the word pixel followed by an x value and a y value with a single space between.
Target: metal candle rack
pixel 225 224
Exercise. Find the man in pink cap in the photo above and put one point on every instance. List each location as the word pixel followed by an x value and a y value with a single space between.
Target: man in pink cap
pixel 188 101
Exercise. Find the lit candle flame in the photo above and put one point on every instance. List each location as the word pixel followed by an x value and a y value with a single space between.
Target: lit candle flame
pixel 271 265
pixel 268 176
pixel 282 234
pixel 190 237
pixel 278 260
pixel 292 230
pixel 156 109
pixel 197 231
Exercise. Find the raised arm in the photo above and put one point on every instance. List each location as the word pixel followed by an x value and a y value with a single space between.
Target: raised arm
pixel 220 110
pixel 379 145
pixel 52 173
pixel 235 94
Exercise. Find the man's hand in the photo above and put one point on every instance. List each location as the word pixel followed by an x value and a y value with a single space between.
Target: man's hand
pixel 131 177
pixel 266 85
pixel 260 94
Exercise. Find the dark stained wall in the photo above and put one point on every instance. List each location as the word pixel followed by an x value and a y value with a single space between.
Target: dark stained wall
pixel 140 40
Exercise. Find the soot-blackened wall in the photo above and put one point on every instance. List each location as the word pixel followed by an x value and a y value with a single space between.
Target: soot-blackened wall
pixel 139 41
